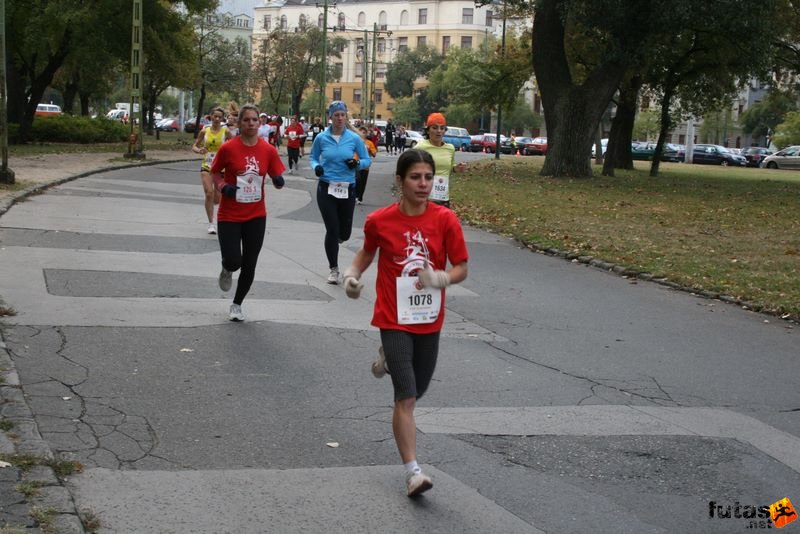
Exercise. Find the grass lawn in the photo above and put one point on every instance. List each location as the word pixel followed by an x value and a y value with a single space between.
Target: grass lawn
pixel 732 231
pixel 166 141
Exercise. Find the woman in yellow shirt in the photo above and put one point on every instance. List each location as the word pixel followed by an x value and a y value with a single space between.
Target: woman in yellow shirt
pixel 207 143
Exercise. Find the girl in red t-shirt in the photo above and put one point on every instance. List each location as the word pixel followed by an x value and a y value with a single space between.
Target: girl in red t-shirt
pixel 416 238
pixel 239 170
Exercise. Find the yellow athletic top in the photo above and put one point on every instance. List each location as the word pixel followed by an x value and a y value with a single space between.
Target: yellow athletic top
pixel 212 142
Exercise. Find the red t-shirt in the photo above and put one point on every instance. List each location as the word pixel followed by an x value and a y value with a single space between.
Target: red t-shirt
pixel 404 243
pixel 294 141
pixel 246 167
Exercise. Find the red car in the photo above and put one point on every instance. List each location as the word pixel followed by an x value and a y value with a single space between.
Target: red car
pixel 537 147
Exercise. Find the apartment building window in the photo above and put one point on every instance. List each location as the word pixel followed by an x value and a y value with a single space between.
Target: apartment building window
pixel 267 22
pixel 362 19
pixel 284 22
pixel 445 44
pixel 402 44
pixel 466 41
pixel 382 21
pixel 380 71
pixel 381 45
pixel 359 69
pixel 421 41
pixel 303 22
pixel 378 96
pixel 404 18
pixel 422 17
pixel 489 18
pixel 356 96
pixel 337 93
pixel 341 21
pixel 320 21
pixel 466 15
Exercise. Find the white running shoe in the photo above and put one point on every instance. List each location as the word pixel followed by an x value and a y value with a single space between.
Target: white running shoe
pixel 236 313
pixel 418 483
pixel 379 368
pixel 333 278
pixel 212 229
pixel 225 279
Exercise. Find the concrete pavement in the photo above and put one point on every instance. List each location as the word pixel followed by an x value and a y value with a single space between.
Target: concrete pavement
pixel 566 400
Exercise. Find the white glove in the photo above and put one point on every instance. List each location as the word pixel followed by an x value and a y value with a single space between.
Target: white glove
pixel 352 286
pixel 430 278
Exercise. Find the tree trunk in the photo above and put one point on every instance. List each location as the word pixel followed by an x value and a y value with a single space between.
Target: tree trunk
pixel 84 99
pixel 571 111
pixel 666 126
pixel 69 94
pixel 200 105
pixel 618 152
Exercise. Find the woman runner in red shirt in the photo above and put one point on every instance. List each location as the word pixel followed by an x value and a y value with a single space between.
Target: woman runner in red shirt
pixel 239 170
pixel 416 238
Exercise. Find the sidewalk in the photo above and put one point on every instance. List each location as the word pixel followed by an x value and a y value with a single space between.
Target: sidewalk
pixel 52 504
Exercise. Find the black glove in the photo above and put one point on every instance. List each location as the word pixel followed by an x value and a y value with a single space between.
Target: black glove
pixel 278 181
pixel 352 163
pixel 318 170
pixel 229 190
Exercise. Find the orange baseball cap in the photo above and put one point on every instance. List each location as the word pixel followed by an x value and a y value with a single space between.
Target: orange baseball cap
pixel 436 118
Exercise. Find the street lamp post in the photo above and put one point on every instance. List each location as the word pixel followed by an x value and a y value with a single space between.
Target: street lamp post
pixel 500 106
pixel 6 174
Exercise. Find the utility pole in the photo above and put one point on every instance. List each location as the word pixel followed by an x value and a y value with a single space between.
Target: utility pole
pixel 364 80
pixel 372 73
pixel 6 174
pixel 500 106
pixel 135 141
pixel 324 73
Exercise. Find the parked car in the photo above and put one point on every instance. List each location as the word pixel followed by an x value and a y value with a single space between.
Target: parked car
pixel 716 155
pixel 476 143
pixel 646 151
pixel 117 115
pixel 412 138
pixel 191 124
pixel 488 142
pixel 537 146
pixel 755 154
pixel 458 137
pixel 788 158
pixel 168 125
pixel 47 110
pixel 519 146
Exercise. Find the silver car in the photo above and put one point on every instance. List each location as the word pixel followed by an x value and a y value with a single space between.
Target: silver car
pixel 788 158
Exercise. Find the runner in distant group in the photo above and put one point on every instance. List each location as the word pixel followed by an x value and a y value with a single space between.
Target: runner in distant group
pixel 389 132
pixel 363 174
pixel 416 239
pixel 444 154
pixel 400 140
pixel 233 118
pixel 294 141
pixel 207 143
pixel 239 171
pixel 336 156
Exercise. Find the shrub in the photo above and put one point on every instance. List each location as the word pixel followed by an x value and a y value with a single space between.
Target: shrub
pixel 70 129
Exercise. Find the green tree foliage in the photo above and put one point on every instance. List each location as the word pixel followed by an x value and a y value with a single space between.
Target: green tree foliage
pixel 788 132
pixel 287 63
pixel 44 36
pixel 520 117
pixel 408 66
pixel 406 112
pixel 646 126
pixel 764 116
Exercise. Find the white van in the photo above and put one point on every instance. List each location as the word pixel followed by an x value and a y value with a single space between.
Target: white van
pixel 47 110
pixel 117 115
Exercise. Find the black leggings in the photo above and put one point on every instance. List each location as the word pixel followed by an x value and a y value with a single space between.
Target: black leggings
pixel 361 183
pixel 337 214
pixel 411 360
pixel 293 154
pixel 240 244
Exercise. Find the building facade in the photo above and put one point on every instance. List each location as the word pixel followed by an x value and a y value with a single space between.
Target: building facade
pixel 394 26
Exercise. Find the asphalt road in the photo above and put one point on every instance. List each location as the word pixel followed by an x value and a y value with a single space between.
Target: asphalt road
pixel 566 399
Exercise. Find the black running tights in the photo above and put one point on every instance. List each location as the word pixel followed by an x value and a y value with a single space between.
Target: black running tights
pixel 240 244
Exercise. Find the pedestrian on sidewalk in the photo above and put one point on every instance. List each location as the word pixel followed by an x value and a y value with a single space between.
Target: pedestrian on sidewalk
pixel 444 154
pixel 337 154
pixel 294 141
pixel 208 142
pixel 363 174
pixel 416 238
pixel 239 172
pixel 389 132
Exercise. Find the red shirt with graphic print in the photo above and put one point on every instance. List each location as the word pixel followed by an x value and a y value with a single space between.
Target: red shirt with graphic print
pixel 403 244
pixel 241 164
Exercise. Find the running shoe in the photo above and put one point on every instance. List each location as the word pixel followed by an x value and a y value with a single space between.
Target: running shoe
pixel 333 278
pixel 225 279
pixel 212 229
pixel 418 483
pixel 236 313
pixel 379 366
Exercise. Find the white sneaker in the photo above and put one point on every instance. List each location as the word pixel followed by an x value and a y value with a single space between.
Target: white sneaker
pixel 212 229
pixel 379 368
pixel 236 313
pixel 417 483
pixel 333 278
pixel 225 279
pixel 291 171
